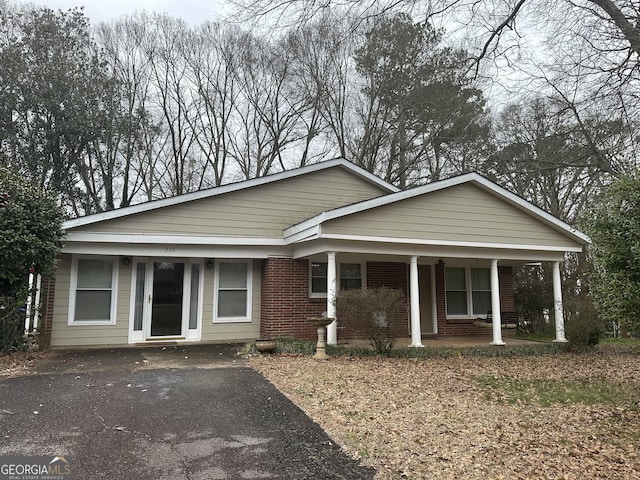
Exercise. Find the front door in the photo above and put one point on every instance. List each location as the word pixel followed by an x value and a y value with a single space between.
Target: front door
pixel 166 300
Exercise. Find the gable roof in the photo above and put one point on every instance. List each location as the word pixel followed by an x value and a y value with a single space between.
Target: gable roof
pixel 232 187
pixel 310 227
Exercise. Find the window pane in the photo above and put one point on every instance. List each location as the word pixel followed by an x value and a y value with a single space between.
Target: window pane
pixel 318 269
pixel 481 302
pixel 139 305
pixel 350 283
pixel 93 305
pixel 195 291
pixel 232 303
pixel 319 285
pixel 94 273
pixel 350 270
pixel 480 279
pixel 455 279
pixel 456 303
pixel 233 275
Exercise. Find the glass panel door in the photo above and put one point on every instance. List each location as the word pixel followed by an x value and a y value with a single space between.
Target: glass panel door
pixel 166 312
pixel 138 312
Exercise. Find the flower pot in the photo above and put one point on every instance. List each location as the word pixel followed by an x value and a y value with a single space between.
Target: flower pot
pixel 265 345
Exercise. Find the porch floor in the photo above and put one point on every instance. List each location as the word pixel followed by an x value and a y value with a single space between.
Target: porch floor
pixel 453 342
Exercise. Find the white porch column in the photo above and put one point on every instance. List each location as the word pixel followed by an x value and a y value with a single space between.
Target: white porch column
pixel 434 300
pixel 414 293
pixel 36 314
pixel 27 317
pixel 495 305
pixel 557 304
pixel 332 329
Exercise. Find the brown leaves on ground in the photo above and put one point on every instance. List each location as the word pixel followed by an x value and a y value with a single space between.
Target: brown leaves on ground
pixel 432 418
pixel 18 363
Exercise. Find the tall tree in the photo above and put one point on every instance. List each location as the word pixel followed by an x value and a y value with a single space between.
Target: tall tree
pixel 612 223
pixel 55 95
pixel 548 157
pixel 420 101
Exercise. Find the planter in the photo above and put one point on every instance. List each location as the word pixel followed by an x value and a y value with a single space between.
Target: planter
pixel 265 345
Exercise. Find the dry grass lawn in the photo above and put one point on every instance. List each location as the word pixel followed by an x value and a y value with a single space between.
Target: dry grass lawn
pixel 557 417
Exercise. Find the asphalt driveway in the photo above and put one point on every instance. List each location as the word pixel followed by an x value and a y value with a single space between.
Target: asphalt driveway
pixel 165 413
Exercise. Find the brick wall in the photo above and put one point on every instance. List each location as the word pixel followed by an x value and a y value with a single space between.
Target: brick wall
pixel 388 274
pixel 505 277
pixel 383 274
pixel 47 291
pixel 285 302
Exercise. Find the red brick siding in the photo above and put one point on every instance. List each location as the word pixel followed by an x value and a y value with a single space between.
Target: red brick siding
pixel 381 274
pixel 47 290
pixel 387 274
pixel 505 276
pixel 285 302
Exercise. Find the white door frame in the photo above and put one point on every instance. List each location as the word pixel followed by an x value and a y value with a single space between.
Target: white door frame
pixel 186 334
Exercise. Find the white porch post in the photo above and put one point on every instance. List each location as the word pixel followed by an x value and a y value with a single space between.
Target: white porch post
pixel 557 304
pixel 495 305
pixel 332 329
pixel 27 317
pixel 414 293
pixel 434 300
pixel 36 314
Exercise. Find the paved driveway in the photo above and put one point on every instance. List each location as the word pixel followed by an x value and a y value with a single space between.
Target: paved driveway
pixel 173 413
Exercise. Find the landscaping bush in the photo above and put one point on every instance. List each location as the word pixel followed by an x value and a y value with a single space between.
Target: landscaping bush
pixel 12 323
pixel 584 332
pixel 378 314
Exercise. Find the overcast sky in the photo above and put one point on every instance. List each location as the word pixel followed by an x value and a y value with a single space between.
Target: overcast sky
pixel 192 11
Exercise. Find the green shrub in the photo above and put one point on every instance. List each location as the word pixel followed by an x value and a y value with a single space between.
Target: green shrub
pixel 378 314
pixel 12 323
pixel 584 332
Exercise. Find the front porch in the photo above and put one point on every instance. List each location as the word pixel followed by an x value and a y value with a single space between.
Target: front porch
pixel 451 342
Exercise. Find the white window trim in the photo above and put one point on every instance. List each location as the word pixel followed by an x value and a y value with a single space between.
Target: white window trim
pixel 216 283
pixel 74 285
pixel 469 291
pixel 363 273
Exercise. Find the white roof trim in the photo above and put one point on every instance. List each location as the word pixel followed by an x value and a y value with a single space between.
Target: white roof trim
pixel 446 243
pixel 232 187
pixel 170 239
pixel 440 185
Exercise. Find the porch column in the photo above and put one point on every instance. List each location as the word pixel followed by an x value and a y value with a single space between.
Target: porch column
pixel 557 304
pixel 495 305
pixel 434 300
pixel 332 329
pixel 414 293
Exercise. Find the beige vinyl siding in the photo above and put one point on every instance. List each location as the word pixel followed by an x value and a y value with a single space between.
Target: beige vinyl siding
pixel 462 213
pixel 261 211
pixel 64 335
pixel 231 332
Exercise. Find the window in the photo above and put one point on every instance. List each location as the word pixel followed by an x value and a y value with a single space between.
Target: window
pixel 233 291
pixel 318 279
pixel 350 277
pixel 468 291
pixel 481 290
pixel 92 297
pixel 456 282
